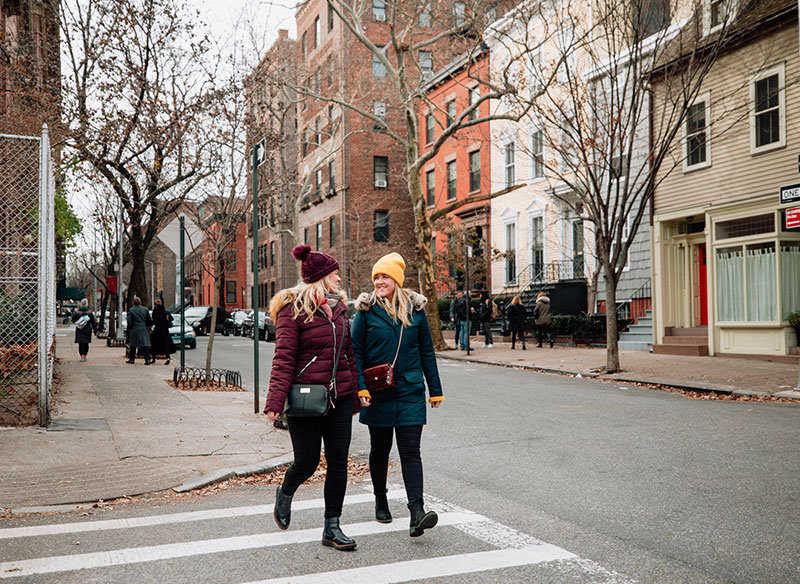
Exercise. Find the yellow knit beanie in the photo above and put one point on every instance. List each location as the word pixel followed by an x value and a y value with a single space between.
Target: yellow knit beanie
pixel 392 265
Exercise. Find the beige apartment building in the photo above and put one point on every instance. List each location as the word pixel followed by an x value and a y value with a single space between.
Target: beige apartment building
pixel 726 270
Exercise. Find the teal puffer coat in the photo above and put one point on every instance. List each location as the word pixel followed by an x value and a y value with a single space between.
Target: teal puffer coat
pixel 375 339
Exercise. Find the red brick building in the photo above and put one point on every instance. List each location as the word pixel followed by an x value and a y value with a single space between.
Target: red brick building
pixel 462 167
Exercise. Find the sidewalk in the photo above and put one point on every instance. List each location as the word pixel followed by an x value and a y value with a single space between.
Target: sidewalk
pixel 720 374
pixel 120 430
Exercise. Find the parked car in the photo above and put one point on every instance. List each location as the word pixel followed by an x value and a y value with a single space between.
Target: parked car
pixel 266 328
pixel 233 324
pixel 200 319
pixel 189 338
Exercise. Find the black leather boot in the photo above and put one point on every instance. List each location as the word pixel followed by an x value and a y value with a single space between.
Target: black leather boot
pixel 420 520
pixel 283 509
pixel 382 513
pixel 332 536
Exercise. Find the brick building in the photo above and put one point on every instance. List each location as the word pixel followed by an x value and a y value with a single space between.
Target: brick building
pixel 461 168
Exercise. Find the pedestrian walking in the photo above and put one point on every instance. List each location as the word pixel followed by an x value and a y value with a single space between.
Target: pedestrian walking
pixel 161 339
pixel 458 314
pixel 139 323
pixel 313 346
pixel 485 317
pixel 85 326
pixel 517 315
pixel 391 333
pixel 543 319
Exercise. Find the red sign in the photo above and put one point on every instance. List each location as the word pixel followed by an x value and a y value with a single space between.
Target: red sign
pixel 111 284
pixel 792 218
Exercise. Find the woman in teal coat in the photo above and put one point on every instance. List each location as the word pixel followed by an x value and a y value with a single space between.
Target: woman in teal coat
pixel 391 324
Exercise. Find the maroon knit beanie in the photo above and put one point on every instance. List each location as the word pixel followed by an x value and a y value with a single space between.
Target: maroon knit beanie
pixel 315 264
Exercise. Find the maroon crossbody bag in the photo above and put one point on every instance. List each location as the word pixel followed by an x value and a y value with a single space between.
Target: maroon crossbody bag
pixel 381 377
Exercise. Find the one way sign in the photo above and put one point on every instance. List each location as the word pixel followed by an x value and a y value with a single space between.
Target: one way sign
pixel 790 194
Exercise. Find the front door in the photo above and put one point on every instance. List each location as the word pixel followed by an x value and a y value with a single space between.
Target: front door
pixel 699 285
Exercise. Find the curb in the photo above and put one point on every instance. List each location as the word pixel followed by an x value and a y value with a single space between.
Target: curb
pixel 222 474
pixel 790 394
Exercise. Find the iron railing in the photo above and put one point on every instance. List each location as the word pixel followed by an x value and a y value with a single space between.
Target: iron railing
pixel 197 376
pixel 637 304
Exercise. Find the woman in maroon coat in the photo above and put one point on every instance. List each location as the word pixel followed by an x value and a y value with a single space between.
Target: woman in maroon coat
pixel 310 320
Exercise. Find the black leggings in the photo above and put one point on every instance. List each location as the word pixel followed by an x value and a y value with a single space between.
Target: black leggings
pixel 408 439
pixel 334 429
pixel 83 349
pixel 517 334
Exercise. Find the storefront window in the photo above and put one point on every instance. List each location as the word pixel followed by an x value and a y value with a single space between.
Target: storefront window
pixel 730 277
pixel 790 277
pixel 762 297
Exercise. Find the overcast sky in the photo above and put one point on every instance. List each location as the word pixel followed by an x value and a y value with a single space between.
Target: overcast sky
pixel 269 14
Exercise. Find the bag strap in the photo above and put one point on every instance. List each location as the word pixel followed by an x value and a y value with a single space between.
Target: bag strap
pixel 398 345
pixel 337 353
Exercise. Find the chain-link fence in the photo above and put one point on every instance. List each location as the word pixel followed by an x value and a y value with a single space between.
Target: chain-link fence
pixel 27 279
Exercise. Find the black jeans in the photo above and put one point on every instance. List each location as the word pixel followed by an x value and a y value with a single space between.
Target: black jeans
pixel 145 352
pixel 308 434
pixel 517 333
pixel 83 349
pixel 487 332
pixel 408 439
pixel 543 329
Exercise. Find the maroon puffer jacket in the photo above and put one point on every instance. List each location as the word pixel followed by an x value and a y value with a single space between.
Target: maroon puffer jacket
pixel 308 347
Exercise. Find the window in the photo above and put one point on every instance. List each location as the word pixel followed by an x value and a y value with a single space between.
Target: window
pixel 304 143
pixel 332 176
pixel 653 16
pixel 316 32
pixel 537 244
pixel 379 10
pixel 380 171
pixel 330 17
pixel 537 155
pixel 451 113
pixel 747 283
pixel 426 63
pixel 511 173
pixel 319 236
pixel 536 77
pixel 430 187
pixel 318 184
pixel 754 225
pixel 473 96
pixel 767 118
pixel 379 110
pixel 474 171
pixel 718 12
pixel 511 253
pixel 317 132
pixel 381 225
pixel 459 13
pixel 272 253
pixel 305 235
pixel 619 167
pixel 317 80
pixel 332 231
pixel 230 292
pixel 331 71
pixel 425 16
pixel 378 68
pixel 568 156
pixel 696 154
pixel 430 122
pixel 577 248
pixel 230 261
pixel 451 180
pixel 304 46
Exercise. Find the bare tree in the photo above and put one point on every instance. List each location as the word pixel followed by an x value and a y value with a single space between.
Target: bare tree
pixel 135 98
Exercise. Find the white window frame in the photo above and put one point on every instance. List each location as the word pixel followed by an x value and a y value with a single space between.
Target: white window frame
pixel 707 28
pixel 780 70
pixel 537 211
pixel 473 95
pixel 507 166
pixel 536 79
pixel 510 218
pixel 376 61
pixel 706 98
pixel 533 131
pixel 426 63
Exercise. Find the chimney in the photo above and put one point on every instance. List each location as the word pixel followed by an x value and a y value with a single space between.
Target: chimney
pixel 283 33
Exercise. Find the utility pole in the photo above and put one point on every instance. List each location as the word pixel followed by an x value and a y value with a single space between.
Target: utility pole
pixel 120 333
pixel 467 255
pixel 183 294
pixel 258 153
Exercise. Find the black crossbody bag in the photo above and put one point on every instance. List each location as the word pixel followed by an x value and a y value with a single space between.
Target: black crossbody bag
pixel 311 400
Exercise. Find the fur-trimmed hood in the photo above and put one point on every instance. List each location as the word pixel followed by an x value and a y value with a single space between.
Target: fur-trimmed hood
pixel 364 300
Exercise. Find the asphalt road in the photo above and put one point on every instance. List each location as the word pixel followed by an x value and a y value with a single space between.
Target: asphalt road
pixel 537 478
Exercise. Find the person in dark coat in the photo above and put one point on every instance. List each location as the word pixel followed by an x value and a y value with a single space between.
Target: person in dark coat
pixel 391 322
pixel 83 333
pixel 485 316
pixel 517 314
pixel 139 323
pixel 161 340
pixel 541 313
pixel 458 314
pixel 310 320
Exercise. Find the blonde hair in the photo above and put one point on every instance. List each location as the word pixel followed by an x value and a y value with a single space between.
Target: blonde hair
pixel 397 307
pixel 540 294
pixel 304 298
pixel 516 300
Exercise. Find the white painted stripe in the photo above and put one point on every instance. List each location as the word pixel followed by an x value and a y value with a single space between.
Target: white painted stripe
pixel 440 567
pixel 18 568
pixel 136 522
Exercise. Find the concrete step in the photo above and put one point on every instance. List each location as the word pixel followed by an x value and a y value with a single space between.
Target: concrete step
pixel 688 350
pixel 794 350
pixel 685 340
pixel 694 331
pixel 636 335
pixel 633 345
pixel 646 321
pixel 640 327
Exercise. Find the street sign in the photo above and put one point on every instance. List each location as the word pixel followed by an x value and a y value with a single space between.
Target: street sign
pixel 171 235
pixel 790 194
pixel 261 151
pixel 793 218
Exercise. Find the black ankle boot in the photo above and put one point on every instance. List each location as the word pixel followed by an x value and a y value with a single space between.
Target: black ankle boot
pixel 420 520
pixel 382 513
pixel 332 536
pixel 283 509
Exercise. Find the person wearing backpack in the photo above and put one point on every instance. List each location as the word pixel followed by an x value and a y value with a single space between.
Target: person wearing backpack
pixel 485 315
pixel 85 325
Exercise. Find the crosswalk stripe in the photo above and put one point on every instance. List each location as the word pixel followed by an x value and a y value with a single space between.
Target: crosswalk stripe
pixel 152 520
pixel 440 567
pixel 68 563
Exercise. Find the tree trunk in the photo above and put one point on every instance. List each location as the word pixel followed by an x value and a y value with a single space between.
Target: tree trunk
pixel 612 342
pixel 138 282
pixel 103 306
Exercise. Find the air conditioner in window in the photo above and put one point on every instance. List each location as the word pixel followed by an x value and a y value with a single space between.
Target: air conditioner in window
pixel 380 183
pixel 380 17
